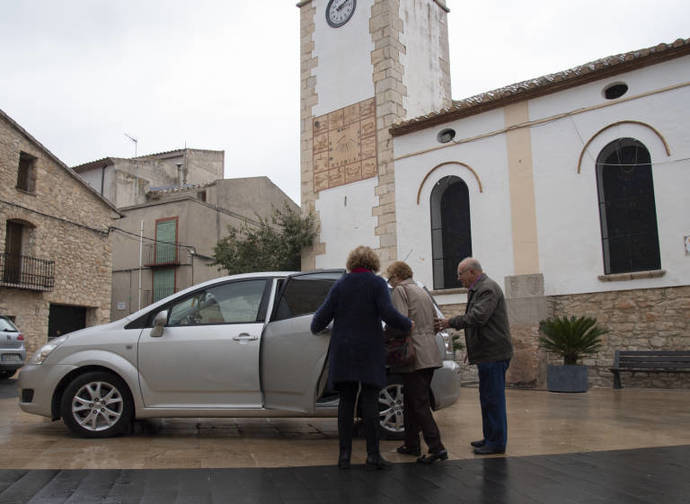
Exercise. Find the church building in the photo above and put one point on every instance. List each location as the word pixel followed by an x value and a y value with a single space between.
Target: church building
pixel 571 188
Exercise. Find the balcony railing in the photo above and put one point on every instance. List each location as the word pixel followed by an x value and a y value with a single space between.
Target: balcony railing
pixel 24 272
pixel 164 254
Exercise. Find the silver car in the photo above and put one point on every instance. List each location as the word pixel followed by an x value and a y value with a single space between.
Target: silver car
pixel 12 351
pixel 237 346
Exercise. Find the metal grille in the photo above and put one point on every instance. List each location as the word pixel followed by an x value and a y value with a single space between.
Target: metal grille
pixel 26 272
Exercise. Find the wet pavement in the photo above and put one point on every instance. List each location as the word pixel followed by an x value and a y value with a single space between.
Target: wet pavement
pixel 630 445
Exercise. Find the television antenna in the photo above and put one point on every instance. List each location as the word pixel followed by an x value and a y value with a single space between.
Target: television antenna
pixel 135 140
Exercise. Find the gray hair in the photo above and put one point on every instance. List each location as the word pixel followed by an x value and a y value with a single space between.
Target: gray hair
pixel 472 263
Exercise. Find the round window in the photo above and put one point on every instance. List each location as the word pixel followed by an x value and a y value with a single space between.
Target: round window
pixel 445 135
pixel 615 90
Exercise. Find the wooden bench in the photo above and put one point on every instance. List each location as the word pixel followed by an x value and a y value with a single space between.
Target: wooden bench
pixel 649 361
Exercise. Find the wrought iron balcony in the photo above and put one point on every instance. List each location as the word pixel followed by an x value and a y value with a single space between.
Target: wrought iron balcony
pixel 164 254
pixel 24 272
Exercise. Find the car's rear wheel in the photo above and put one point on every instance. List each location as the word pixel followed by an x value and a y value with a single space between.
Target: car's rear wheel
pixel 97 404
pixel 391 421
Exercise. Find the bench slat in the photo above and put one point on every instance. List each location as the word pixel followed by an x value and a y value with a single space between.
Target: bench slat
pixel 685 360
pixel 649 365
pixel 625 353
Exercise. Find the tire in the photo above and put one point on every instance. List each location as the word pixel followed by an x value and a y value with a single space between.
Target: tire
pixel 5 374
pixel 97 404
pixel 391 422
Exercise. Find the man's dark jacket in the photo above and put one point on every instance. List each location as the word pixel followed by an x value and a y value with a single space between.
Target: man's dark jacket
pixel 357 303
pixel 487 332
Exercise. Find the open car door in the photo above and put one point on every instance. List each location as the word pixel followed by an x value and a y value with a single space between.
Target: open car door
pixel 293 360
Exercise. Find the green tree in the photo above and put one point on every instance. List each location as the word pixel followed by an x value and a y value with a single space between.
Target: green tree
pixel 275 245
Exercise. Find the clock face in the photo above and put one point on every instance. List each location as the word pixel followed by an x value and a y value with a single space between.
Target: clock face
pixel 339 12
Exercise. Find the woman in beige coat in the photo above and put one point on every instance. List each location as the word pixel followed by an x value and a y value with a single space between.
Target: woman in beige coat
pixel 413 301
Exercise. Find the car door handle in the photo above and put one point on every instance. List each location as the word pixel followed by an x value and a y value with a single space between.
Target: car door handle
pixel 244 337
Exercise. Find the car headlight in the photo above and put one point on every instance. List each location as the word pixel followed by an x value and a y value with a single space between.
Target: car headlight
pixel 42 353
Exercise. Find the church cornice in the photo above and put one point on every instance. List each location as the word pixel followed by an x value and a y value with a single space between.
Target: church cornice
pixel 547 84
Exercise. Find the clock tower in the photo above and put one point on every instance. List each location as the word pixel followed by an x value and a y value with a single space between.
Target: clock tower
pixel 365 65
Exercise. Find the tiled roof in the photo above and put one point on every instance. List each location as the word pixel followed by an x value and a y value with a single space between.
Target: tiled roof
pixel 547 84
pixel 177 188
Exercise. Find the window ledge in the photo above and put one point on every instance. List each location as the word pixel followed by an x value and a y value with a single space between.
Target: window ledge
pixel 30 193
pixel 636 275
pixel 443 292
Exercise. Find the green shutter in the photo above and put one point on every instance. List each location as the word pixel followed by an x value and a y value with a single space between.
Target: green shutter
pixel 163 283
pixel 165 241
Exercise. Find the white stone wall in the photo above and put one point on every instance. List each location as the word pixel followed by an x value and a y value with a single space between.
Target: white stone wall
pixel 570 253
pixel 567 204
pixel 425 37
pixel 489 209
pixel 343 74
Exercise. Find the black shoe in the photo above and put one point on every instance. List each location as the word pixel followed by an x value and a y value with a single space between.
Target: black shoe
pixel 478 444
pixel 487 450
pixel 344 459
pixel 406 450
pixel 432 457
pixel 377 463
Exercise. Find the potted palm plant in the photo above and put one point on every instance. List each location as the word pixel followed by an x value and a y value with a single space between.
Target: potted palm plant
pixel 571 338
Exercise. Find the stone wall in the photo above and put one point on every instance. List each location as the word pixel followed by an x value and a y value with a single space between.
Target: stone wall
pixel 640 319
pixel 64 222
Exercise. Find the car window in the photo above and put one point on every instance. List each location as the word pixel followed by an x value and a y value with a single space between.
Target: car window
pixel 231 303
pixel 7 325
pixel 303 296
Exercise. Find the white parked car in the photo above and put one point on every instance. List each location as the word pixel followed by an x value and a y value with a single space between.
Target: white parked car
pixel 235 346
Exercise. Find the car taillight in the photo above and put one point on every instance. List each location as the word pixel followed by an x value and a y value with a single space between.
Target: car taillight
pixel 20 337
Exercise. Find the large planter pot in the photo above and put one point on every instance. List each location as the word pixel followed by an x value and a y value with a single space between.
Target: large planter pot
pixel 566 378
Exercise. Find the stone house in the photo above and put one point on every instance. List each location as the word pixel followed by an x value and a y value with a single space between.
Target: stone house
pixel 55 259
pixel 175 206
pixel 179 227
pixel 569 188
pixel 126 181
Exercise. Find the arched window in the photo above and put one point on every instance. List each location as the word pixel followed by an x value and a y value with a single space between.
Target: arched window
pixel 451 239
pixel 627 211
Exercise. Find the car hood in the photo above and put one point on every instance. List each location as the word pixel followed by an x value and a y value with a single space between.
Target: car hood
pixel 93 332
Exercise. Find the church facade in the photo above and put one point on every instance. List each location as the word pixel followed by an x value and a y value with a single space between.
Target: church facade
pixel 569 188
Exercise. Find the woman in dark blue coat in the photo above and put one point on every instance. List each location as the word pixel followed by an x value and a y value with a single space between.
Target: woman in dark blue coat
pixel 357 358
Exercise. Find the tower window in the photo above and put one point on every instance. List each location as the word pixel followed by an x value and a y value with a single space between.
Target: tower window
pixel 627 210
pixel 451 239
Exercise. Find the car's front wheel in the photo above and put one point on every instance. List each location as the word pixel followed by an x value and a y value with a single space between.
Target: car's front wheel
pixel 391 422
pixel 97 404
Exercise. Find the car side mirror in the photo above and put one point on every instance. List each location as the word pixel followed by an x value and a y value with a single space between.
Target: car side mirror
pixel 159 322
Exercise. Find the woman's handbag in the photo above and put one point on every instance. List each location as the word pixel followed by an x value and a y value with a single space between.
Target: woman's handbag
pixel 399 347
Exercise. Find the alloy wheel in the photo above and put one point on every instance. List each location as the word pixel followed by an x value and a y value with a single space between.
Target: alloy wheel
pixel 391 408
pixel 97 406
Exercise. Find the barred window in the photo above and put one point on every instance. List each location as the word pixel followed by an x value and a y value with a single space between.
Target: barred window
pixel 627 209
pixel 451 238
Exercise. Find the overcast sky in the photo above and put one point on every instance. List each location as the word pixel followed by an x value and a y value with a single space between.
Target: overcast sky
pixel 222 74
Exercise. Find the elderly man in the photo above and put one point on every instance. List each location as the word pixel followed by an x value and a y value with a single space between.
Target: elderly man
pixel 489 346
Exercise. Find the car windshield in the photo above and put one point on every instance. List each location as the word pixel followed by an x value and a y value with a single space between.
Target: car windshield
pixel 7 325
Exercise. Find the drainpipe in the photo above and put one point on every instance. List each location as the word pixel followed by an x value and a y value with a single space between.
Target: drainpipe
pixel 141 247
